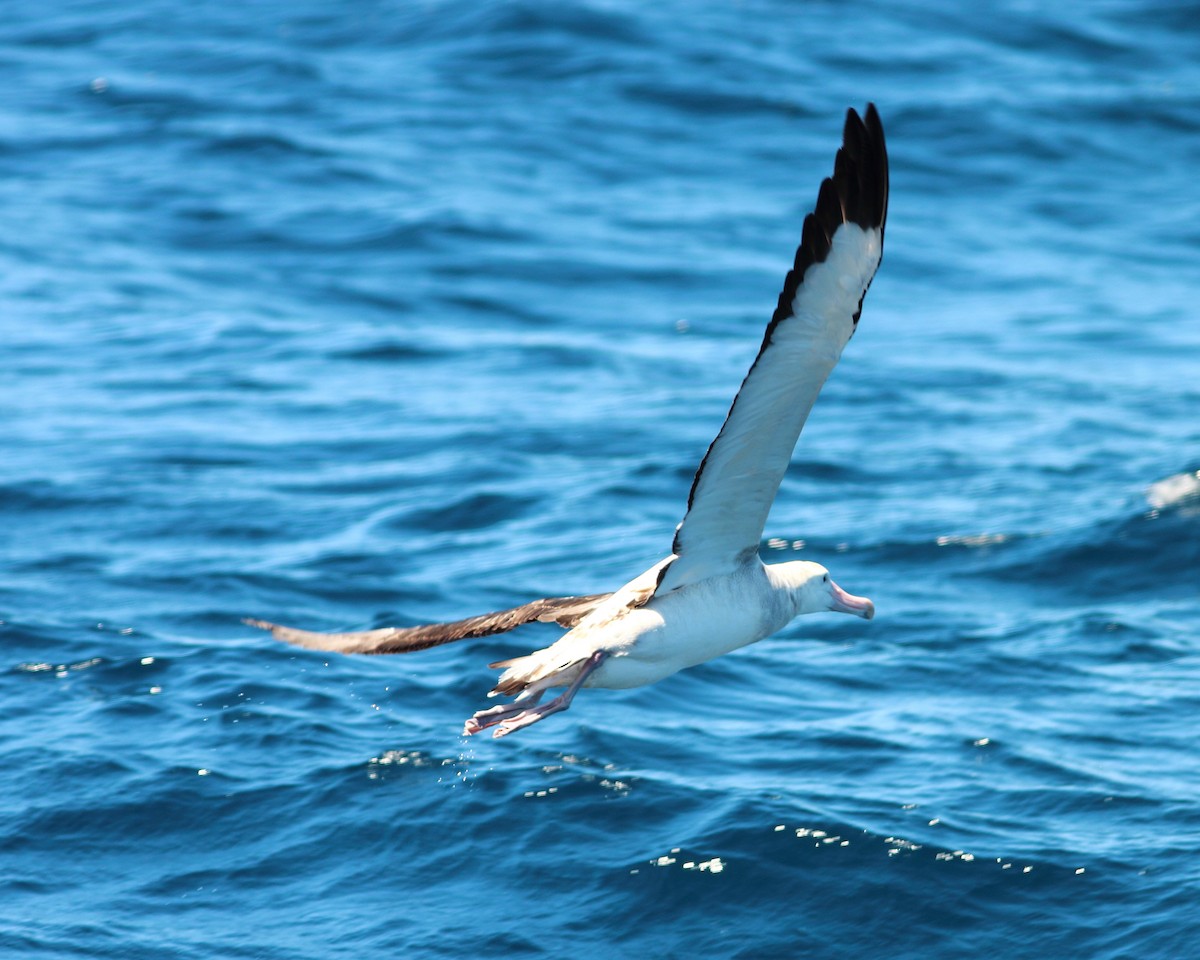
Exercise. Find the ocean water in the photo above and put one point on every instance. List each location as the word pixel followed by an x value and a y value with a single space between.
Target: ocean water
pixel 347 315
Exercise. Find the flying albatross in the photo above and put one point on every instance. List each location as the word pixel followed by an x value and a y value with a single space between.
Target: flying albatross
pixel 713 594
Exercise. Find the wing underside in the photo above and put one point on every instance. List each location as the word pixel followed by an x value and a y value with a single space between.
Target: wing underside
pixel 840 249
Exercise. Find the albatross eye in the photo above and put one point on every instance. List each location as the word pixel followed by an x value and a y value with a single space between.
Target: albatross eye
pixel 825 579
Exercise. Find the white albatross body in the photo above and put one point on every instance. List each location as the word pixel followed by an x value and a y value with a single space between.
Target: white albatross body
pixel 713 594
pixel 686 626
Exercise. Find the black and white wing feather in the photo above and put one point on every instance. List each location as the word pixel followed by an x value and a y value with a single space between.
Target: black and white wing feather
pixel 840 249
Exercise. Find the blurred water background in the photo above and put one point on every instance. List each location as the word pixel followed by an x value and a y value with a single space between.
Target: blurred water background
pixel 381 313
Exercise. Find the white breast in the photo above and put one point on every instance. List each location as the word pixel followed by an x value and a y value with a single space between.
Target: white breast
pixel 686 627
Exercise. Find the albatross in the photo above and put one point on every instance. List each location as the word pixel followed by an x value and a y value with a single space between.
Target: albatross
pixel 713 594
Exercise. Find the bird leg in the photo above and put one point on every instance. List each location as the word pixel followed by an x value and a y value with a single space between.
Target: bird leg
pixel 518 714
pixel 557 705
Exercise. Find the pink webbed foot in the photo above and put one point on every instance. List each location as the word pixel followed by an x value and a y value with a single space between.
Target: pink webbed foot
pixel 518 714
pixel 494 715
pixel 529 717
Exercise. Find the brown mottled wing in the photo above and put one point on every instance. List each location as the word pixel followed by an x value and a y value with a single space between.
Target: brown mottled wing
pixel 565 611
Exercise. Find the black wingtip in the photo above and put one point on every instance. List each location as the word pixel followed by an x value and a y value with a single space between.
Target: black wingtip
pixel 856 193
pixel 874 128
pixel 866 174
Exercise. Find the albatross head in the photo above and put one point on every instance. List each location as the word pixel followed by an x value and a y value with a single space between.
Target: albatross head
pixel 814 591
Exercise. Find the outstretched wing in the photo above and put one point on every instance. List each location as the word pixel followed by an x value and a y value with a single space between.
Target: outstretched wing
pixel 840 249
pixel 565 611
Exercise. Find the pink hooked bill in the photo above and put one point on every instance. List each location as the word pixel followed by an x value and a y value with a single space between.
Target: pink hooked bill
pixel 844 602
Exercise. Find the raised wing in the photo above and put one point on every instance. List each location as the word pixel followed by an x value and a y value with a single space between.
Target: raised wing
pixel 840 249
pixel 565 611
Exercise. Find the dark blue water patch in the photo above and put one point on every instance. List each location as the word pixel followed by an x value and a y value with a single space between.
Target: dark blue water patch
pixel 524 45
pixel 563 359
pixel 312 231
pixel 1119 559
pixel 522 19
pixel 469 513
pixel 365 567
pixel 708 102
pixel 189 458
pixel 264 146
pixel 64 564
pixel 391 351
pixel 66 940
pixel 43 495
pixel 152 105
pixel 1113 638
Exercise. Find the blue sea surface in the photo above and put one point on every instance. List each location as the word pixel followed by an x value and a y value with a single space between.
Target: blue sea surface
pixel 350 315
